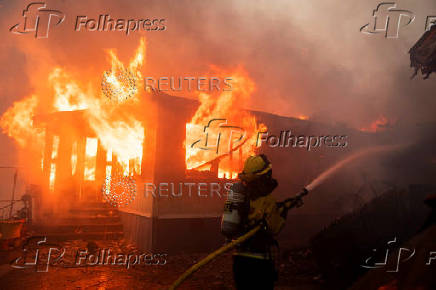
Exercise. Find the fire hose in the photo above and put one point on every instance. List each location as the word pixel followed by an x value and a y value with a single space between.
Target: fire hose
pixel 284 206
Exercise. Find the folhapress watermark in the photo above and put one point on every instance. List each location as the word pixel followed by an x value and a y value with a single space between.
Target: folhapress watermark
pixel 38 19
pixel 401 255
pixel 389 20
pixel 104 22
pixel 106 257
pixel 40 255
pixel 215 132
pixel 287 140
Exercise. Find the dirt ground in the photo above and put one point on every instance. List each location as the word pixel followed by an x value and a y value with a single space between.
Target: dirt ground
pixel 297 270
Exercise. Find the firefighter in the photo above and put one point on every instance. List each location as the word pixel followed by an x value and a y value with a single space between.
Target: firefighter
pixel 249 204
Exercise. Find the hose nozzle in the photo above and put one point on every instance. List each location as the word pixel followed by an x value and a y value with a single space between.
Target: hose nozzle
pixel 303 193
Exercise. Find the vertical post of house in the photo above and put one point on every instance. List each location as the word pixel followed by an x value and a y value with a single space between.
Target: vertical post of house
pixel 100 169
pixel 63 180
pixel 47 158
pixel 81 147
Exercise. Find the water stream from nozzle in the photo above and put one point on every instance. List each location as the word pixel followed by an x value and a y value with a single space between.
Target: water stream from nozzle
pixel 332 170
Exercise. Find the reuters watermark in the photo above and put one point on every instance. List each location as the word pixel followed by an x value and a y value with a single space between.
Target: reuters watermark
pixel 287 140
pixel 189 189
pixel 188 83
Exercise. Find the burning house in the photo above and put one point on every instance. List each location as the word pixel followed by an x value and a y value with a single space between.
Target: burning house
pixel 102 146
pixel 165 200
pixel 154 167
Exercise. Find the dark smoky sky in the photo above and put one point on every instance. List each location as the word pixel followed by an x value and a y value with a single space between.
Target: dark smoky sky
pixel 306 57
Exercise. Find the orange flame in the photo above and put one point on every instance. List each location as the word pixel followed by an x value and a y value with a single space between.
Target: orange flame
pixel 232 138
pixel 68 96
pixel 381 124
pixel 120 83
pixel 17 122
pixel 119 131
pixel 116 129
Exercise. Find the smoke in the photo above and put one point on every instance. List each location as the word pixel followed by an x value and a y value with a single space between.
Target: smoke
pixel 306 57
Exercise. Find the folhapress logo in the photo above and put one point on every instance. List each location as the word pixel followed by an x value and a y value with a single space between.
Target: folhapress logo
pixel 387 19
pixel 38 19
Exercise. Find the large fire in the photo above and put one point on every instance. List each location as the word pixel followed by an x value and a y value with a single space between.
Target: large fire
pixel 222 134
pixel 114 122
pixel 116 129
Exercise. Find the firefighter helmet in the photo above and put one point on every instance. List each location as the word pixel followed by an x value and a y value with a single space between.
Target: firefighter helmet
pixel 255 167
